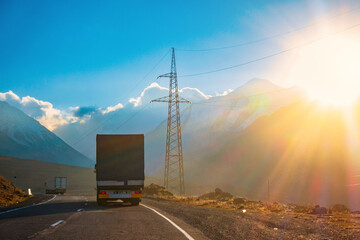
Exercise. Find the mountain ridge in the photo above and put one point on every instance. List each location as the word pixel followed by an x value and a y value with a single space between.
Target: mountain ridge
pixel 223 114
pixel 24 137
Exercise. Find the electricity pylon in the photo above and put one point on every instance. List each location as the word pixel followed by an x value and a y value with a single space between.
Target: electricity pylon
pixel 174 169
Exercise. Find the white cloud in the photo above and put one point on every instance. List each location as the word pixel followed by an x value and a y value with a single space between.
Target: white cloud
pixel 151 92
pixel 9 97
pixel 42 111
pixel 112 108
pixel 52 118
pixel 156 91
pixel 226 92
pixel 193 94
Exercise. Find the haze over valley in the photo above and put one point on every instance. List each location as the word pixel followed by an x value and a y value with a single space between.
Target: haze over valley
pixel 180 119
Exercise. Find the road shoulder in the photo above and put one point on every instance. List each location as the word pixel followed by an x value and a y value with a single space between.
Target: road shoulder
pixel 192 231
pixel 36 199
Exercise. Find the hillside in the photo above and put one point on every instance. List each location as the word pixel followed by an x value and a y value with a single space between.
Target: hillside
pixel 23 137
pixel 205 121
pixel 39 175
pixel 301 149
pixel 237 110
pixel 10 194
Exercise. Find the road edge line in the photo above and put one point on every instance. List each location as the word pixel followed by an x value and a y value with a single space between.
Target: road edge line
pixel 57 223
pixel 172 223
pixel 15 209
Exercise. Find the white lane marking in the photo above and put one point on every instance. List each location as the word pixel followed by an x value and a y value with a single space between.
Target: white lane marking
pixel 57 223
pixel 80 209
pixel 172 223
pixel 15 209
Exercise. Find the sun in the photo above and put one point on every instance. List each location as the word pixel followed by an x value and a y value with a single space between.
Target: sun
pixel 329 70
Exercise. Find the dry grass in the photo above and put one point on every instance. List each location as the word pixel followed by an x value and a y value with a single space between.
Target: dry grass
pixel 338 217
pixel 9 194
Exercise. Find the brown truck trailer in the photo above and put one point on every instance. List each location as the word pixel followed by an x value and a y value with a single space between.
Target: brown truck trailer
pixel 119 168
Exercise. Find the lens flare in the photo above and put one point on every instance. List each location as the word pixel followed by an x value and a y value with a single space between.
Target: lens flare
pixel 329 70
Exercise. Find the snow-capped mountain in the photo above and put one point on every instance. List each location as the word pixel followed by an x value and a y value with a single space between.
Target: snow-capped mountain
pixel 203 122
pixel 23 137
pixel 137 116
pixel 205 115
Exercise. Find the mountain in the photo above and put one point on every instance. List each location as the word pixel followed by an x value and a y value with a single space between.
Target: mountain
pixel 82 136
pixel 138 116
pixel 205 115
pixel 301 150
pixel 23 137
pixel 204 121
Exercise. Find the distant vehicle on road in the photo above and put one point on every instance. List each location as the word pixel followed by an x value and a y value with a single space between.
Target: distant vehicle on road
pixel 119 168
pixel 60 186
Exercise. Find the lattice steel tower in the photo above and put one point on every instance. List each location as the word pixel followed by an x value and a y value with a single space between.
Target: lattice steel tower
pixel 174 169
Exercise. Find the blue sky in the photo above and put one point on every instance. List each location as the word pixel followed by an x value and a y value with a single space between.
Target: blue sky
pixel 73 53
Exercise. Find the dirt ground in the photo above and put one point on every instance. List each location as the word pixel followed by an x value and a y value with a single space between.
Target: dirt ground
pixel 219 215
pixel 217 223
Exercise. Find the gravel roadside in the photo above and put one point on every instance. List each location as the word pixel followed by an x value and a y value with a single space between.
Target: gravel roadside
pixel 234 224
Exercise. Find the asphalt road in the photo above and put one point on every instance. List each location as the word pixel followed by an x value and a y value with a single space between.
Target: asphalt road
pixel 79 217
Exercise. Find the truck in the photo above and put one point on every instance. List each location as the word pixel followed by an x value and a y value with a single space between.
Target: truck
pixel 60 186
pixel 120 168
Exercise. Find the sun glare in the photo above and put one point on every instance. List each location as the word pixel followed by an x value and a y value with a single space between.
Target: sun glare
pixel 329 70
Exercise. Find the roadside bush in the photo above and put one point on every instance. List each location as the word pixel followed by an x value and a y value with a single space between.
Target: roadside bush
pixel 340 208
pixel 319 210
pixel 218 194
pixel 238 201
pixel 154 190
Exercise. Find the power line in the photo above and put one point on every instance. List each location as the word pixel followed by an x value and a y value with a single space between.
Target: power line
pixel 241 95
pixel 109 118
pixel 271 36
pixel 208 102
pixel 271 55
pixel 156 65
pixel 221 69
pixel 132 116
